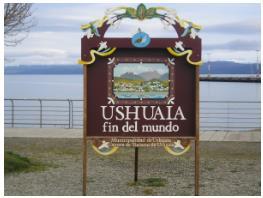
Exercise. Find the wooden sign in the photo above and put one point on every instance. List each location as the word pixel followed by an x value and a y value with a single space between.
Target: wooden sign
pixel 132 95
pixel 141 91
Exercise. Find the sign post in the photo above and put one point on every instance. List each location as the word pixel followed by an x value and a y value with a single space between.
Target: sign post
pixel 141 91
pixel 136 161
pixel 84 150
pixel 197 149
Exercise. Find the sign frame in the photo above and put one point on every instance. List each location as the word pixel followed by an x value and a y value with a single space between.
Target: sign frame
pixel 192 53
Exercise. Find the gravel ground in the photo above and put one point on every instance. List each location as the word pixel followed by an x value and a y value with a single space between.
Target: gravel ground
pixel 227 168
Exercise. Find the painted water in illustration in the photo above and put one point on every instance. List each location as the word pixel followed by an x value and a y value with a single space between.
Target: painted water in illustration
pixel 141 81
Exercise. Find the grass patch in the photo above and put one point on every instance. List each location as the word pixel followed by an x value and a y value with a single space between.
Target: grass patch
pixel 148 191
pixel 16 163
pixel 210 168
pixel 234 171
pixel 65 152
pixel 150 182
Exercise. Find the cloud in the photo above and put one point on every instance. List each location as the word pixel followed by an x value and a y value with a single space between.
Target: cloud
pixel 154 28
pixel 241 27
pixel 56 38
pixel 227 55
pixel 64 17
pixel 41 56
pixel 40 60
pixel 38 52
pixel 235 45
pixel 46 48
pixel 59 25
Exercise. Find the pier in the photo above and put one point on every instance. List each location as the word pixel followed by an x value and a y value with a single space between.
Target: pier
pixel 231 79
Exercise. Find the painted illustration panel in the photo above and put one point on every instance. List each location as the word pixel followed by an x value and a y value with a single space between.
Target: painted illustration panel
pixel 141 81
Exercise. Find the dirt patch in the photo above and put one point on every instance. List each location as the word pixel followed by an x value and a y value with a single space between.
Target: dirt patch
pixel 227 168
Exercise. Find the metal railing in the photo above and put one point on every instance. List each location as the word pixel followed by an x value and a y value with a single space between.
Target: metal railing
pixel 230 115
pixel 67 113
pixel 64 113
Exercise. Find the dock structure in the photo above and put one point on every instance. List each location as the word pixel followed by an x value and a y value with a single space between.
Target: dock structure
pixel 255 79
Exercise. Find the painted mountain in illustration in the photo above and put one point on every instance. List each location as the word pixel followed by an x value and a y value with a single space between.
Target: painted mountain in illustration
pixel 131 76
pixel 164 76
pixel 150 75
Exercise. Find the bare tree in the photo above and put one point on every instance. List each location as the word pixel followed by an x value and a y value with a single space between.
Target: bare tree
pixel 17 21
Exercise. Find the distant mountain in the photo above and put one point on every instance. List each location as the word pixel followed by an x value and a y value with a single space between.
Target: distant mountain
pixel 150 75
pixel 227 67
pixel 131 76
pixel 44 69
pixel 217 67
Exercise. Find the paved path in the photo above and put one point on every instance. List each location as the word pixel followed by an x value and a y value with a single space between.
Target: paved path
pixel 247 136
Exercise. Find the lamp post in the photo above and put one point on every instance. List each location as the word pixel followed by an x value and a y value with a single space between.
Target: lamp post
pixel 209 66
pixel 257 72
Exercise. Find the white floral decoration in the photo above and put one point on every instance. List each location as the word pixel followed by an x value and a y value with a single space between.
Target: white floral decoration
pixel 193 33
pixel 102 46
pixel 89 34
pixel 179 45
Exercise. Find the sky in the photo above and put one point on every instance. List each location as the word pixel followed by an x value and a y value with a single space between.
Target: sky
pixel 230 32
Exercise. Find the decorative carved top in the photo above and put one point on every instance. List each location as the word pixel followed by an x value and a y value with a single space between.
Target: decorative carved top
pixel 188 43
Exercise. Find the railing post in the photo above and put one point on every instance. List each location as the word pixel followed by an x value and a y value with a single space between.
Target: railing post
pixel 13 112
pixel 40 118
pixel 72 110
pixel 227 116
pixel 69 113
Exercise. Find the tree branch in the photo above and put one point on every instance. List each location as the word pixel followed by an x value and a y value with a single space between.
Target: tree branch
pixel 17 22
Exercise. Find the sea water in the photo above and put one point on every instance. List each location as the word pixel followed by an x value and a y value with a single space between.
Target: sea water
pixel 224 105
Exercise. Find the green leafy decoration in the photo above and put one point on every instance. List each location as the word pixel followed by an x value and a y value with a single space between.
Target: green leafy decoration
pixel 151 12
pixel 141 12
pixel 130 13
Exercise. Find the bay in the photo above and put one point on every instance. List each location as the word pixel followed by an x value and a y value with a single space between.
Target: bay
pixel 70 87
pixel 234 106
